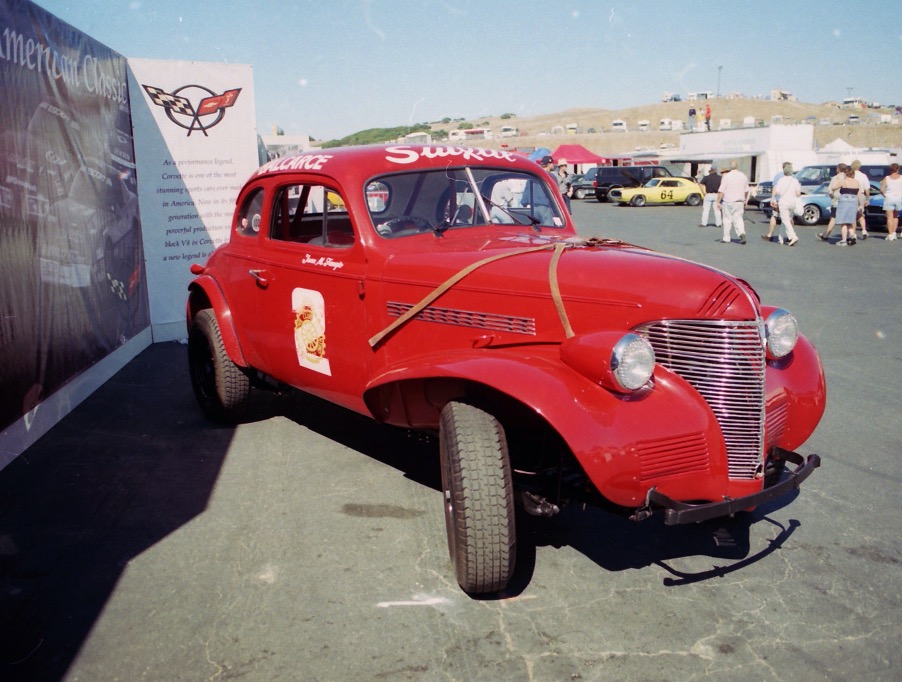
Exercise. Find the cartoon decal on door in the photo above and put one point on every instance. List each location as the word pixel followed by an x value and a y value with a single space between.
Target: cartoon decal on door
pixel 310 330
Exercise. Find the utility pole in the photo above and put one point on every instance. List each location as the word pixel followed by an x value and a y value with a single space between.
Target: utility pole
pixel 718 80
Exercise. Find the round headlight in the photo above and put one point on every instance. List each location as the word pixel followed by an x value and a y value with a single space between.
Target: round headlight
pixel 782 331
pixel 632 362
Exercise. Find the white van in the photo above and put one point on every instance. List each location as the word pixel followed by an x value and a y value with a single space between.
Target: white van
pixel 618 126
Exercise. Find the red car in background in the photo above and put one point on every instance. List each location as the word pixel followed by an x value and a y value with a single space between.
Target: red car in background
pixel 445 289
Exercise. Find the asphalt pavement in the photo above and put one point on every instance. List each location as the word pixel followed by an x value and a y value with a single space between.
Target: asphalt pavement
pixel 138 541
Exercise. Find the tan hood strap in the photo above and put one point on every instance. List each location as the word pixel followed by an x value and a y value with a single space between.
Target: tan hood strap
pixel 556 289
pixel 454 279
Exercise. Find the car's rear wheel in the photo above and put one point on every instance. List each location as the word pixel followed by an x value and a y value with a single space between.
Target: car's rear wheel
pixel 638 200
pixel 811 214
pixel 694 199
pixel 478 498
pixel 221 388
pixel 579 193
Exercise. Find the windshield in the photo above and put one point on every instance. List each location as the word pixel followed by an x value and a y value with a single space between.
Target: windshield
pixel 455 198
pixel 814 174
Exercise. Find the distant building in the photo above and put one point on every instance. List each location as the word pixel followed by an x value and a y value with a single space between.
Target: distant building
pixel 278 146
pixel 782 96
pixel 478 134
pixel 419 137
pixel 854 103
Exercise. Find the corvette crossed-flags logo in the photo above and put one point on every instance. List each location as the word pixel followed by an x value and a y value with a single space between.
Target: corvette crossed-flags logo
pixel 177 105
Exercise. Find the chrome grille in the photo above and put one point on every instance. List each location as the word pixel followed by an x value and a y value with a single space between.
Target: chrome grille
pixel 724 362
pixel 467 318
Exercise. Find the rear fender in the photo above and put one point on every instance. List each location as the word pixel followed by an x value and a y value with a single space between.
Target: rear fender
pixel 204 292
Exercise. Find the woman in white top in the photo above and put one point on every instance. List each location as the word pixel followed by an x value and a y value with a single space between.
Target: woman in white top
pixel 892 199
pixel 786 193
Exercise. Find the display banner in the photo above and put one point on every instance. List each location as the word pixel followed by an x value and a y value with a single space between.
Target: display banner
pixel 72 286
pixel 196 145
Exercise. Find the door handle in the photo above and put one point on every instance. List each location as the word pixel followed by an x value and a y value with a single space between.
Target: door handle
pixel 263 277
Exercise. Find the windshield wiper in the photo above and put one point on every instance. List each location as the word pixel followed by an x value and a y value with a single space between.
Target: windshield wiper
pixel 515 217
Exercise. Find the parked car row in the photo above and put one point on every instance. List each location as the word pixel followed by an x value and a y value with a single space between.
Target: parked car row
pixel 812 177
pixel 816 206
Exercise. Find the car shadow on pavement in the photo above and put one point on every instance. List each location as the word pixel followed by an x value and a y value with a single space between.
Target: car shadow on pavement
pixel 609 539
pixel 615 543
pixel 132 464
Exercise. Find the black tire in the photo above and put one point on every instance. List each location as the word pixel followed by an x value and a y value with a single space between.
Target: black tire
pixel 478 498
pixel 221 388
pixel 579 193
pixel 638 200
pixel 811 215
pixel 694 199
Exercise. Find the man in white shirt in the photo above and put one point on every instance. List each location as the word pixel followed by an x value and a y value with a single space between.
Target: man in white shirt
pixel 785 196
pixel 731 199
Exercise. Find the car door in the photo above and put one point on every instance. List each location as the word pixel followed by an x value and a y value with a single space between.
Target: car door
pixel 667 190
pixel 306 294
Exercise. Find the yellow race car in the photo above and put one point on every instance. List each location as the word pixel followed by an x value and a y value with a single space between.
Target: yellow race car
pixel 667 190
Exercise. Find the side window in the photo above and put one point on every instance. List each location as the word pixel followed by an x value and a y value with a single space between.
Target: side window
pixel 250 215
pixel 311 214
pixel 536 199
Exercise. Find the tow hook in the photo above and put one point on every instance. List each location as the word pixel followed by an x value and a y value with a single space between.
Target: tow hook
pixel 536 505
pixel 645 511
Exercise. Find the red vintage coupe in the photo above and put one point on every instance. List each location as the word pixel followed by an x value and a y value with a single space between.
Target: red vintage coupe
pixel 446 289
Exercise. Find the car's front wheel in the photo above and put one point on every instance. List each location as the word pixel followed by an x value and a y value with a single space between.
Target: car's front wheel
pixel 638 200
pixel 478 498
pixel 221 388
pixel 579 193
pixel 811 214
pixel 694 199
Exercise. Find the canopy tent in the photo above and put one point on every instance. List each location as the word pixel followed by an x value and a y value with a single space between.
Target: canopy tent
pixel 838 145
pixel 576 154
pixel 539 153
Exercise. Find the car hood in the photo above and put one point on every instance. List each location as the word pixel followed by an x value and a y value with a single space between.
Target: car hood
pixel 602 283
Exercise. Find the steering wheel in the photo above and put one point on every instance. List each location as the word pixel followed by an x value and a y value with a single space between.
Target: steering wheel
pixel 403 226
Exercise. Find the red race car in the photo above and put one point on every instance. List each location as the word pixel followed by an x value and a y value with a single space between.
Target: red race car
pixel 445 289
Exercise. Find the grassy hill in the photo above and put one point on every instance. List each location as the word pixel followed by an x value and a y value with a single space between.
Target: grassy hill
pixel 536 131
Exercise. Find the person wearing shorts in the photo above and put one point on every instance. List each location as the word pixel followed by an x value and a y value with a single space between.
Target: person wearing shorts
pixel 892 200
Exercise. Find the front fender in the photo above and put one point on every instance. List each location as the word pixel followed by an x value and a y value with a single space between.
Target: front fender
pixel 204 292
pixel 665 436
pixel 796 396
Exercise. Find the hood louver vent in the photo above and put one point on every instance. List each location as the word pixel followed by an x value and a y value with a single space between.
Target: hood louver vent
pixel 468 318
pixel 720 300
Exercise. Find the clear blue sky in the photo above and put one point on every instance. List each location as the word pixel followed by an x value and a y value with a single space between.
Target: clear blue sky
pixel 328 68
